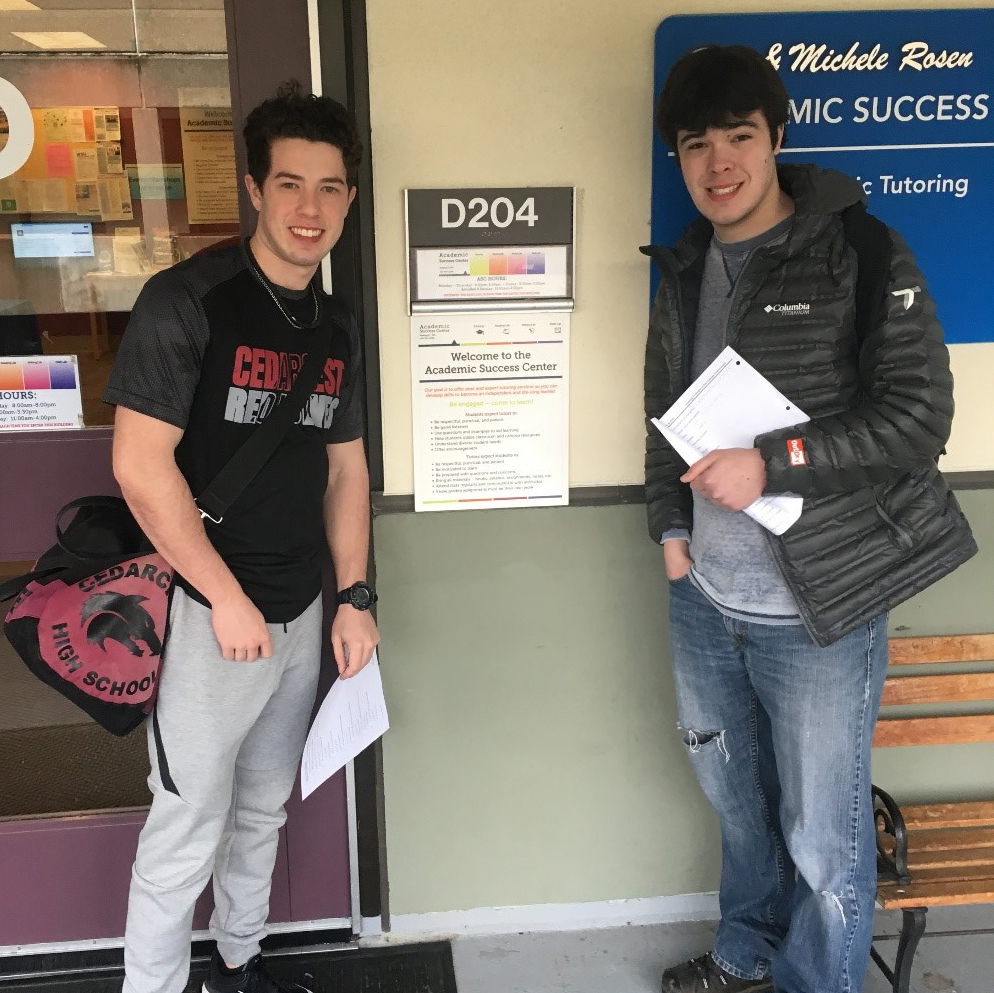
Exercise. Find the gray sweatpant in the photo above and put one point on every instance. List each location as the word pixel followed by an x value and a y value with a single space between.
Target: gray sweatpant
pixel 225 741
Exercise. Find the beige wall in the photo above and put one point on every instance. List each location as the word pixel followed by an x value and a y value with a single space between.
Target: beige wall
pixel 538 92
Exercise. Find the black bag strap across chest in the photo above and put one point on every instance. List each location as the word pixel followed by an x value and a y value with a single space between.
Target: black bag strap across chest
pixel 247 462
pixel 108 532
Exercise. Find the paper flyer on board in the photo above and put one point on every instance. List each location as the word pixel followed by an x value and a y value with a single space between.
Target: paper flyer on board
pixel 491 410
pixel 209 164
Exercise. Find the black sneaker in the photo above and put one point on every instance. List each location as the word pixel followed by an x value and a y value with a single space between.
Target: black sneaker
pixel 704 975
pixel 253 977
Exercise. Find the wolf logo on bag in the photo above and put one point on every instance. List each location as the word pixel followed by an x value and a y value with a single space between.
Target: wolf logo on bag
pixel 98 638
pixel 123 619
pixel 92 625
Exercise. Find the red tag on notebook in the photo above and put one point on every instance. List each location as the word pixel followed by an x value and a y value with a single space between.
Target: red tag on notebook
pixel 795 451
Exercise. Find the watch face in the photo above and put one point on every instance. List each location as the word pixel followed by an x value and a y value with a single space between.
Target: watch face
pixel 361 597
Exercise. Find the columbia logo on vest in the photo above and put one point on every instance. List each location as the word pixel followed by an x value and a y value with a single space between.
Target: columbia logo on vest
pixel 788 308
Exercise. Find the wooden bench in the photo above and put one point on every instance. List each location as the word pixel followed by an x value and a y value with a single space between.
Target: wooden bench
pixel 939 854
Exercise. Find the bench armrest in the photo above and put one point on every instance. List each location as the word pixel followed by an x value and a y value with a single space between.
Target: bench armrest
pixel 888 818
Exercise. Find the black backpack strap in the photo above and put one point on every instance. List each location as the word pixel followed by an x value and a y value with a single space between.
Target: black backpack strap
pixel 113 535
pixel 246 463
pixel 870 239
pixel 14 586
pixel 118 517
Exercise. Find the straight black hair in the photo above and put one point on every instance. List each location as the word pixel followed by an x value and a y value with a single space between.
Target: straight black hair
pixel 711 86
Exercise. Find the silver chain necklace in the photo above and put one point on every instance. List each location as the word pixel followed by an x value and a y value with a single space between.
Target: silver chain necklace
pixel 267 286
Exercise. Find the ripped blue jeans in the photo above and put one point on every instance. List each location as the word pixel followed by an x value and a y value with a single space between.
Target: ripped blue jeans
pixel 778 731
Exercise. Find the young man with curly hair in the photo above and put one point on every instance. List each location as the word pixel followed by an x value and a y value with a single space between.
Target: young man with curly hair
pixel 213 346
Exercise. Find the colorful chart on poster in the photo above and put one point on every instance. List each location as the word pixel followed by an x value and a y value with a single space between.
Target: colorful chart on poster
pixel 497 274
pixel 39 392
pixel 500 248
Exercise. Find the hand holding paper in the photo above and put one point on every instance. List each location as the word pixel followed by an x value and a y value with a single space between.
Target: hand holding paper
pixel 352 716
pixel 727 407
pixel 731 478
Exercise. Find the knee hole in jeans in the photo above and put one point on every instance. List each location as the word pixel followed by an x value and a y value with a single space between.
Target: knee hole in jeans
pixel 695 740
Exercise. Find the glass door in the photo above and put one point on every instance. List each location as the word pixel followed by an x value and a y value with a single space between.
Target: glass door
pixel 118 118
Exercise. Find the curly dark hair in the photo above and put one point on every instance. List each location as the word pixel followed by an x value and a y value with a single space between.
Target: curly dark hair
pixel 293 113
pixel 712 85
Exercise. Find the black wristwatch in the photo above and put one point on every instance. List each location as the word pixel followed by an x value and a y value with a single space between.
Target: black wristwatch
pixel 359 595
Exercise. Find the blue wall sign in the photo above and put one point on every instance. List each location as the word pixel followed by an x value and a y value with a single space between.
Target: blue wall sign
pixel 900 99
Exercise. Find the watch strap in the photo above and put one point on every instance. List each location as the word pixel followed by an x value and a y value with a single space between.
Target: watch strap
pixel 346 595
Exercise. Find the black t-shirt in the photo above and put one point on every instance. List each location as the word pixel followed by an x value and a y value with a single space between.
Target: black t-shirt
pixel 207 350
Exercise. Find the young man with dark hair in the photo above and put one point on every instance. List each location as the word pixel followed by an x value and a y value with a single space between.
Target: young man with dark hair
pixel 779 644
pixel 214 344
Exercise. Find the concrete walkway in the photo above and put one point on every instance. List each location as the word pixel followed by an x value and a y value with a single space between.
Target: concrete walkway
pixel 631 959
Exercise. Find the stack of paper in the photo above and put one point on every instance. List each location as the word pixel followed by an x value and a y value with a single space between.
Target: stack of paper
pixel 728 406
pixel 352 717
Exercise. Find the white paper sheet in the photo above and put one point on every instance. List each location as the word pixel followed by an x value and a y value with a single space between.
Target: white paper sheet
pixel 352 716
pixel 728 406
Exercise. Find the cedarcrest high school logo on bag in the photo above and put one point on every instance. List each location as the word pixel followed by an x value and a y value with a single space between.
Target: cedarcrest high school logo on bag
pixel 114 614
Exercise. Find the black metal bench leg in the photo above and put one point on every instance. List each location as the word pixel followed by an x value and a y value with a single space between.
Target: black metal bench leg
pixel 912 929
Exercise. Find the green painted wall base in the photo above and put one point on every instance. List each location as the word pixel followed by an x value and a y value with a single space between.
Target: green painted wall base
pixel 533 755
